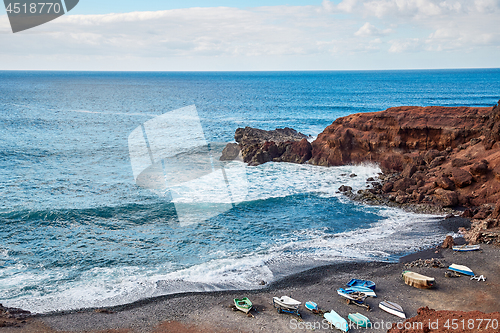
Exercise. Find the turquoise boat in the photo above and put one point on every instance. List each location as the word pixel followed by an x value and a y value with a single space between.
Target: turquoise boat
pixel 359 320
pixel 337 321
pixel 243 304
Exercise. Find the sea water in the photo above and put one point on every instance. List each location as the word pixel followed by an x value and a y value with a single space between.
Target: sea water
pixel 76 231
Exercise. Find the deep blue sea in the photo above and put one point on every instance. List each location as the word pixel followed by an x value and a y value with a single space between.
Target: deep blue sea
pixel 77 231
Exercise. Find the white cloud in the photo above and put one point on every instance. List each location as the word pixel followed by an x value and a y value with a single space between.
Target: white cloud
pixel 301 34
pixel 369 30
pixel 406 45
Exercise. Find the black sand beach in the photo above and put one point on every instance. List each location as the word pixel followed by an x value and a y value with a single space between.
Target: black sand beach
pixel 211 312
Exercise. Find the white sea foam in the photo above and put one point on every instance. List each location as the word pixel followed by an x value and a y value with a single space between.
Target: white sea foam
pixel 395 232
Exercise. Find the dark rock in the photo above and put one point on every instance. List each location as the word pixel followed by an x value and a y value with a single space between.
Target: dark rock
pixel 387 187
pixel 403 184
pixel 446 198
pixel 296 152
pixel 231 152
pixel 468 213
pixel 283 145
pixel 353 175
pixel 448 243
pixel 409 170
pixel 437 161
pixel 458 162
pixel 479 168
pixel 445 183
pixel 345 188
pixel 461 177
pixel 496 212
pixel 370 179
pixel 483 213
pixel 431 155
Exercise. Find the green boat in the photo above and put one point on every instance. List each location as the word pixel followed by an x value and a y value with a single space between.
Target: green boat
pixel 243 304
pixel 359 320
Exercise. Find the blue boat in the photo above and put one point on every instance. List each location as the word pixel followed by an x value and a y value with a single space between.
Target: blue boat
pixel 361 283
pixel 365 290
pixel 336 321
pixel 461 269
pixel 312 306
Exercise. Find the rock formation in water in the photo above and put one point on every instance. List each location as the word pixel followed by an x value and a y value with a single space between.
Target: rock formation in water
pixel 440 156
pixel 258 146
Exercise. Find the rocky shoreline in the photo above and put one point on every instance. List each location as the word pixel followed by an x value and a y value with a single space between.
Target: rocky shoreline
pixel 443 160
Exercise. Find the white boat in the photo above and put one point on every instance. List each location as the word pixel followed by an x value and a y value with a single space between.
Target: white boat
pixel 461 269
pixel 466 248
pixel 365 290
pixel 286 302
pixel 337 321
pixel 392 308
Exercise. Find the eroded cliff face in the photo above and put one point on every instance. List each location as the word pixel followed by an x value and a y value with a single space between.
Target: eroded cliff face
pixel 387 135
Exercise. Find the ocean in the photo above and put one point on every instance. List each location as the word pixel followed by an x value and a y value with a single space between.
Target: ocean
pixel 77 232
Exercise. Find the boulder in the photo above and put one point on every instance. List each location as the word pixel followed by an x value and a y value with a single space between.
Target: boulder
pixel 345 188
pixel 231 152
pixel 479 168
pixel 445 183
pixel 446 198
pixel 461 177
pixel 483 213
pixel 409 170
pixel 387 187
pixel 448 243
pixel 403 184
pixel 437 161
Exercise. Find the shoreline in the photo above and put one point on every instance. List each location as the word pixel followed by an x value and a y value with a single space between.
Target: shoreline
pixel 212 313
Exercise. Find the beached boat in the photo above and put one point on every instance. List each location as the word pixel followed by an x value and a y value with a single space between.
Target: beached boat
pixel 359 320
pixel 361 283
pixel 466 248
pixel 392 308
pixel 286 304
pixel 352 295
pixel 337 321
pixel 367 291
pixel 461 269
pixel 312 306
pixel 243 304
pixel 418 280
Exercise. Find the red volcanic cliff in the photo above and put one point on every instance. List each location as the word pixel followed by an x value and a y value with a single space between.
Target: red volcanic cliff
pixel 376 136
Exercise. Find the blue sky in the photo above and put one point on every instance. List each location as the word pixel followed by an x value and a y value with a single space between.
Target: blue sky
pixel 260 35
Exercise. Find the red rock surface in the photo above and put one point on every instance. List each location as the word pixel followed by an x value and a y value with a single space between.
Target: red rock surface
pixel 428 320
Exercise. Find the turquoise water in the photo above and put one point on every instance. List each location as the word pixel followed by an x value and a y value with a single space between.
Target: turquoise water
pixel 78 232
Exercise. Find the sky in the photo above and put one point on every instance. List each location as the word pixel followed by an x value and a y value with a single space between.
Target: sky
pixel 224 35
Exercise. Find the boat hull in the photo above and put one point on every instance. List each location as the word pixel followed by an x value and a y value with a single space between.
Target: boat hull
pixel 337 321
pixel 359 320
pixel 393 309
pixel 461 269
pixel 417 280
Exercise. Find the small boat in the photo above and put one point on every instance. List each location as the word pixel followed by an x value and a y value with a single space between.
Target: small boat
pixel 243 304
pixel 312 306
pixel 461 269
pixel 361 283
pixel 392 308
pixel 286 304
pixel 352 295
pixel 367 291
pixel 359 320
pixel 466 248
pixel 337 321
pixel 417 280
